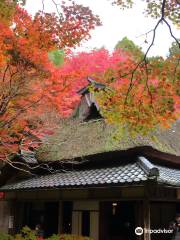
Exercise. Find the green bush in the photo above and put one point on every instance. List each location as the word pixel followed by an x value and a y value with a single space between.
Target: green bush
pixel 27 234
pixel 4 236
pixel 68 237
pixel 53 237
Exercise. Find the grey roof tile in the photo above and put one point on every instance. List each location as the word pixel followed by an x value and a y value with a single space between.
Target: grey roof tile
pixel 137 172
pixel 169 175
pixel 110 175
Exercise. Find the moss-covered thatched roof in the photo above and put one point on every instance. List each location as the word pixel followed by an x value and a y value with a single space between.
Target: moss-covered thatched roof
pixel 75 139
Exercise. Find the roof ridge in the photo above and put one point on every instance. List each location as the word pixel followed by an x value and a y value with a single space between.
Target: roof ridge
pixel 92 82
pixel 148 167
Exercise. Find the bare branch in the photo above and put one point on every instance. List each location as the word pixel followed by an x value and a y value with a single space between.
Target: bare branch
pixel 172 35
pixel 162 19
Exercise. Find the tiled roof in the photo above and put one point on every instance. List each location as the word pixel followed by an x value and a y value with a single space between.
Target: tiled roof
pixel 121 174
pixel 131 173
pixel 28 157
pixel 169 176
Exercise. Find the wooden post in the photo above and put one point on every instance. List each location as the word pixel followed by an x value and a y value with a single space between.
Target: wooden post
pixel 76 222
pixel 94 225
pixel 146 217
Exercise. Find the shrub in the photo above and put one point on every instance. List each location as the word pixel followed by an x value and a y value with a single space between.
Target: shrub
pixel 68 237
pixel 4 236
pixel 27 234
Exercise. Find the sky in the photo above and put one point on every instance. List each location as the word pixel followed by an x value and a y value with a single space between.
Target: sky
pixel 117 24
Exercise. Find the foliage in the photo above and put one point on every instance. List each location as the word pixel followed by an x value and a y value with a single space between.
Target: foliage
pixel 25 69
pixel 4 236
pixel 154 7
pixel 140 98
pixel 141 106
pixel 57 57
pixel 124 3
pixel 153 100
pixel 27 234
pixel 129 46
pixel 68 237
pixel 99 64
pixel 54 237
pixel 174 50
pixel 172 9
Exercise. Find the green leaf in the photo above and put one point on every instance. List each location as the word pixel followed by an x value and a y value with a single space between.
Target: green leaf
pixel 57 57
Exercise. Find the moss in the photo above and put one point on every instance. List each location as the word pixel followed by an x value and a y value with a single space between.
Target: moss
pixel 76 139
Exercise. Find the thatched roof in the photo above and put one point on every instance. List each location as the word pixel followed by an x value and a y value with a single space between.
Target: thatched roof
pixel 75 139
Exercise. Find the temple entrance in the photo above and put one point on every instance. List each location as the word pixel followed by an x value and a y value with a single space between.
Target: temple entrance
pixel 117 221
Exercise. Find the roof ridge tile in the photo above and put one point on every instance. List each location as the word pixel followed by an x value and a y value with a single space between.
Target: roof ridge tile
pixel 150 169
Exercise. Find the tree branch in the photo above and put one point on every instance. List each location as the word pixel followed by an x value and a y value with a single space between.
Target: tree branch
pixel 162 19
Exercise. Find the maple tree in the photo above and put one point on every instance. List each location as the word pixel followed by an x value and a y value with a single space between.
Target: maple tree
pixel 69 78
pixel 136 97
pixel 25 68
pixel 153 100
pixel 154 8
pixel 142 90
pixel 148 104
pixel 165 11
